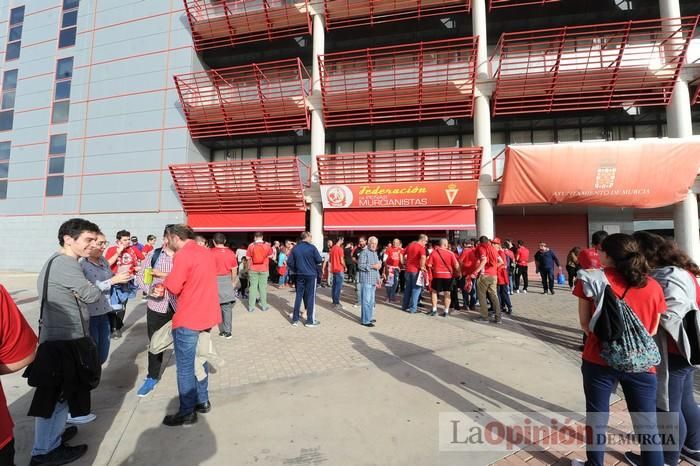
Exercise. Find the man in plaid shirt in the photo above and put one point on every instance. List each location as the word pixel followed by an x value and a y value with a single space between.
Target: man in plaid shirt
pixel 368 265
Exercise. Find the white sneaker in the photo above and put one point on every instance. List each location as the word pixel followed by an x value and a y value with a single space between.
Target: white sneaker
pixel 517 291
pixel 81 419
pixel 577 462
pixel 525 291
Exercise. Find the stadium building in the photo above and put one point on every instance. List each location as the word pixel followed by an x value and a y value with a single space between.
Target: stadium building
pixel 531 119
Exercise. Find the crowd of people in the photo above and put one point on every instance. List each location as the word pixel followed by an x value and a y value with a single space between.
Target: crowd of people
pixel 190 285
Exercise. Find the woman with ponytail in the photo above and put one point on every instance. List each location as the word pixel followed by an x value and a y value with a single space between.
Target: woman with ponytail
pixel 677 340
pixel 626 270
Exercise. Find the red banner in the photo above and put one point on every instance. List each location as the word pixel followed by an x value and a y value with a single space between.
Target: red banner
pixel 459 193
pixel 641 174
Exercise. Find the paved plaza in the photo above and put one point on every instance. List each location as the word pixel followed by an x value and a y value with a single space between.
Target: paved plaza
pixel 339 394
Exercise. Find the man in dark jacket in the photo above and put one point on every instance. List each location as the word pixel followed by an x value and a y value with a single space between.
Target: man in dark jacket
pixel 545 261
pixel 304 262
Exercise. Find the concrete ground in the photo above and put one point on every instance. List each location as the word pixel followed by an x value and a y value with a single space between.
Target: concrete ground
pixel 339 394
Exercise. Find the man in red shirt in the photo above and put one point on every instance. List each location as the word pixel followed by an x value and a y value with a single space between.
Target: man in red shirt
pixel 393 261
pixel 487 283
pixel 226 272
pixel 521 259
pixel 443 266
pixel 469 263
pixel 502 278
pixel 150 244
pixel 336 259
pixel 17 349
pixel 193 281
pixel 414 259
pixel 589 258
pixel 122 257
pixel 258 254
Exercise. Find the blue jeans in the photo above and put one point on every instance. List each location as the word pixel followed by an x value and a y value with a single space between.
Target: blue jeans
pixel 192 392
pixel 48 431
pixel 640 394
pixel 391 290
pixel 338 279
pixel 283 280
pixel 681 401
pixel 100 332
pixel 411 294
pixel 305 291
pixel 368 293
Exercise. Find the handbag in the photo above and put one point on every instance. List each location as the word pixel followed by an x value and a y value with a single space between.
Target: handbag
pixel 90 368
pixel 635 351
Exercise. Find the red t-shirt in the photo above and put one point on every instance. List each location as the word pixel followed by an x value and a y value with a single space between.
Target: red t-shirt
pixel 193 281
pixel 502 270
pixel 589 259
pixel 129 257
pixel 146 249
pixel 489 252
pixel 441 263
pixel 523 256
pixel 225 260
pixel 468 261
pixel 267 252
pixel 646 302
pixel 393 256
pixel 414 252
pixel 336 257
pixel 17 341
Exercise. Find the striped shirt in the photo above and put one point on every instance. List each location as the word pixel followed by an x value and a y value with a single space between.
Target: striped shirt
pixel 164 264
pixel 366 259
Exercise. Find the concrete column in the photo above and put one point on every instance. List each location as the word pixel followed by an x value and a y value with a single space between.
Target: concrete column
pixel 482 122
pixel 679 125
pixel 318 131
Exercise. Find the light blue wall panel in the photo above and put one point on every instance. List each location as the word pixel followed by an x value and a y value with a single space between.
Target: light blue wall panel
pixel 119 193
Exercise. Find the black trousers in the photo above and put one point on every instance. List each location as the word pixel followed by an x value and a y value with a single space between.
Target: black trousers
pixel 455 292
pixel 154 321
pixel 520 272
pixel 547 279
pixel 7 454
pixel 571 272
pixel 116 319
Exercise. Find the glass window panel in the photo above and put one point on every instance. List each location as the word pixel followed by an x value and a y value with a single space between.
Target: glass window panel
pixel 57 144
pixel 285 151
pixel 4 169
pixel 328 147
pixel 64 68
pixel 403 143
pixel 543 135
pixel 69 19
pixel 250 153
pixel 15 33
pixel 595 133
pixel 6 119
pixel 303 149
pixel 17 15
pixel 569 135
pixel 60 112
pixel 3 189
pixel 54 185
pixel 9 80
pixel 68 4
pixel 446 142
pixel 56 164
pixel 384 144
pixel 520 137
pixel 645 131
pixel 66 38
pixel 343 147
pixel 427 142
pixel 5 150
pixel 363 146
pixel 497 137
pixel 269 152
pixel 62 90
pixel 8 100
pixel 12 50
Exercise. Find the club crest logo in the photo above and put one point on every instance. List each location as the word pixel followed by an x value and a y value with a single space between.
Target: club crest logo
pixel 339 196
pixel 605 177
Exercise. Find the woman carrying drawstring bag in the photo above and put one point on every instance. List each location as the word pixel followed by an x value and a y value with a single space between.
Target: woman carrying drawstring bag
pixel 625 316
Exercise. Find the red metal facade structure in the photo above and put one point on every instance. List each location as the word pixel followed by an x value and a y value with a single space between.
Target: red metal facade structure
pixel 349 13
pixel 255 98
pixel 494 4
pixel 415 82
pixel 696 95
pixel 240 186
pixel 603 66
pixel 219 23
pixel 401 166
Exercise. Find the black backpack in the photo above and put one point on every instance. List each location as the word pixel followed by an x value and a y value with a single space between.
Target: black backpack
pixel 610 326
pixel 156 255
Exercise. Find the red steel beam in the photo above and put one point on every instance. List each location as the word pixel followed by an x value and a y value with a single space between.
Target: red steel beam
pixel 494 4
pixel 401 166
pixel 601 66
pixel 227 23
pixel 412 82
pixel 350 13
pixel 249 99
pixel 240 186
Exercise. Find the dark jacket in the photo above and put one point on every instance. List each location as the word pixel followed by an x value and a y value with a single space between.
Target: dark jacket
pixel 304 259
pixel 63 370
pixel 546 260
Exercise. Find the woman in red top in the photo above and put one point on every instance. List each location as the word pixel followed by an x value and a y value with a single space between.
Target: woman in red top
pixel 677 274
pixel 443 267
pixel 626 270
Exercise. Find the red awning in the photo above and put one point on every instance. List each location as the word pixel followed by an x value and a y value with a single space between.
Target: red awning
pixel 641 174
pixel 399 219
pixel 248 221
